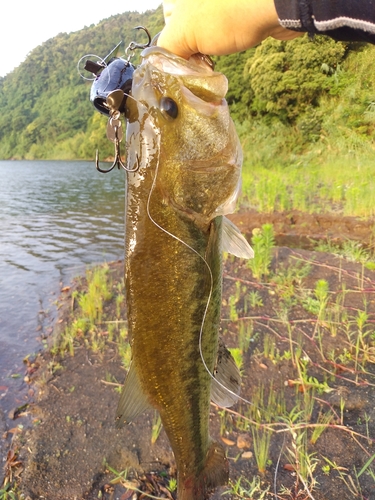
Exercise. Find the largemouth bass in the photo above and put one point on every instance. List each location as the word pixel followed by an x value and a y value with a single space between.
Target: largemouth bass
pixel 184 167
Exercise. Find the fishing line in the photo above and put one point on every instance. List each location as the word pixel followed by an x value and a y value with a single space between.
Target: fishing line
pixel 211 282
pixel 91 78
pixel 129 96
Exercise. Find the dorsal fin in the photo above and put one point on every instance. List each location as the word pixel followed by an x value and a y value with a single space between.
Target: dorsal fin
pixel 234 242
pixel 226 376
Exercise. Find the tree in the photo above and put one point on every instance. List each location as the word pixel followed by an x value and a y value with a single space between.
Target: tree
pixel 287 77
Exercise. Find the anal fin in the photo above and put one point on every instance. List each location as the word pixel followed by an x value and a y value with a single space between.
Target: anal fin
pixel 133 401
pixel 226 384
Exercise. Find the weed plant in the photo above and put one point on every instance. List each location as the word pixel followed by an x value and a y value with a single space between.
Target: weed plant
pixel 98 291
pixel 156 427
pixel 262 413
pixel 323 331
pixel 323 421
pixel 93 322
pixel 244 488
pixel 350 250
pixel 263 242
pixel 288 281
pixel 7 492
pixel 252 300
pixel 246 335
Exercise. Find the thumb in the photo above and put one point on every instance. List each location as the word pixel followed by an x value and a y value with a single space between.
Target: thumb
pixel 168 7
pixel 175 44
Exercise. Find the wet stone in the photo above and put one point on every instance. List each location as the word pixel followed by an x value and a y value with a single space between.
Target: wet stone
pixel 122 458
pixel 243 441
pixel 353 400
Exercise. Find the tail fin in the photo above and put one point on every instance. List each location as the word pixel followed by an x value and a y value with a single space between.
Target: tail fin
pixel 215 473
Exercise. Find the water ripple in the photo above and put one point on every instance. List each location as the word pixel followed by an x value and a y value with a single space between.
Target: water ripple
pixel 55 218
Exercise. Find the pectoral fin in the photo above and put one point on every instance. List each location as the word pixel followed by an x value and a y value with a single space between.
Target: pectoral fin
pixel 234 242
pixel 226 384
pixel 132 400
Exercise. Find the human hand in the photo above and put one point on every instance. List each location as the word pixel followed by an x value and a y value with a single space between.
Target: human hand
pixel 217 27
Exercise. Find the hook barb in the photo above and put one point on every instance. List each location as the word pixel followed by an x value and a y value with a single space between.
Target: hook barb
pixel 135 45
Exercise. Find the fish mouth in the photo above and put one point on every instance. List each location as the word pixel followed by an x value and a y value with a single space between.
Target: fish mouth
pixel 176 65
pixel 197 73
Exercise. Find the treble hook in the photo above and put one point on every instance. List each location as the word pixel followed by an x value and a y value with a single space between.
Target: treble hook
pixel 135 45
pixel 117 161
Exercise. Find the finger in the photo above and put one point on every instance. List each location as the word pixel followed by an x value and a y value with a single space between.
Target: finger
pixel 168 7
pixel 168 40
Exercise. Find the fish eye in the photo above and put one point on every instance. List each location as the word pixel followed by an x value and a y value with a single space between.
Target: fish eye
pixel 169 106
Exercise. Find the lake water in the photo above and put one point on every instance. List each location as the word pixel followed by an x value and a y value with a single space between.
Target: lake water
pixel 55 218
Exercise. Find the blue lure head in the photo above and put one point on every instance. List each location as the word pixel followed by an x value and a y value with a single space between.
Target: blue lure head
pixel 116 75
pixel 113 74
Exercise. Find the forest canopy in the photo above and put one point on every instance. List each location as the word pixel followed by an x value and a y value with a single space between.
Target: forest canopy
pixel 308 88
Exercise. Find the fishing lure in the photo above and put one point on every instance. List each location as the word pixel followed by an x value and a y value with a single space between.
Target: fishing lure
pixel 110 91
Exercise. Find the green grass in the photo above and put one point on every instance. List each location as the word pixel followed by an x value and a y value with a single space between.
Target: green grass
pixel 7 492
pixel 324 339
pixel 156 427
pixel 313 189
pixel 263 412
pixel 98 291
pixel 244 488
pixel 92 321
pixel 331 170
pixel 263 242
pixel 341 184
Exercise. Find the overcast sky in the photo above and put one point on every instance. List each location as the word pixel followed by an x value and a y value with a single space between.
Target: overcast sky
pixel 25 24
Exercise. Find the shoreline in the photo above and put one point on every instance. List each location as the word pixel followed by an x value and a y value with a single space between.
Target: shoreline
pixel 72 449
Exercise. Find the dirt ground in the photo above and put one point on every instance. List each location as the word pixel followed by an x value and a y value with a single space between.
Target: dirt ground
pixel 68 447
pixel 300 230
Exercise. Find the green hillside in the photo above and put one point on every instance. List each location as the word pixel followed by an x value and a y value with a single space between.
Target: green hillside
pixel 45 108
pixel 301 103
